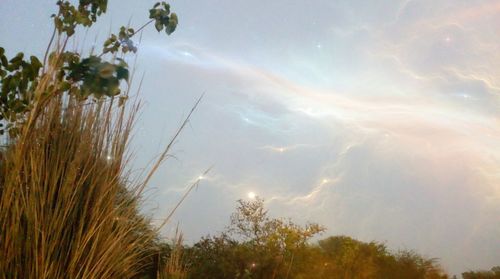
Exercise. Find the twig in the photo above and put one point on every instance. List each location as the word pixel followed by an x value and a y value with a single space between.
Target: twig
pixel 164 154
pixel 194 185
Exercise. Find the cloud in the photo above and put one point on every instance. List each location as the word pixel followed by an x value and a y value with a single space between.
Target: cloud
pixel 389 131
pixel 444 54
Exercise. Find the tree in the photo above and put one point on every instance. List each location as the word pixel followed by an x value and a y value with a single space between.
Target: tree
pixel 494 273
pixel 218 257
pixel 258 246
pixel 84 77
pixel 350 258
pixel 345 257
pixel 275 241
pixel 254 246
pixel 409 264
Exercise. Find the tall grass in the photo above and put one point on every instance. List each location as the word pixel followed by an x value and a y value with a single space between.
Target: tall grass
pixel 175 265
pixel 67 207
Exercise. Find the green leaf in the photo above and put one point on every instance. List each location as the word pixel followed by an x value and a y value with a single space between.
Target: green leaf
pixel 122 73
pixel 106 70
pixel 166 7
pixel 158 25
pixel 4 60
pixel 35 62
pixel 17 59
pixel 65 86
pixel 172 24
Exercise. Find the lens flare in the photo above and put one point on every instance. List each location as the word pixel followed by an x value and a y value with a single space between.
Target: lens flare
pixel 251 195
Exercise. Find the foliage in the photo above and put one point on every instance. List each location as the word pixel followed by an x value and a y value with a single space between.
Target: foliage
pixel 162 17
pixel 350 258
pixel 254 245
pixel 67 208
pixel 342 257
pixel 257 246
pixel 174 266
pixel 18 78
pixel 252 223
pixel 84 77
pixel 69 16
pixel 409 264
pixel 494 273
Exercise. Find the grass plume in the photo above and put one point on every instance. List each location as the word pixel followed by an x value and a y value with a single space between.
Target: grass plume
pixel 67 208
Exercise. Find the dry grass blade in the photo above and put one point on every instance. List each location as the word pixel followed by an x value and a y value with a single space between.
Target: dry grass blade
pixel 65 208
pixel 175 267
pixel 164 155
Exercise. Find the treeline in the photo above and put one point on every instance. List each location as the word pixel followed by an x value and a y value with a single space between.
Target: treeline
pixel 257 246
pixel 494 273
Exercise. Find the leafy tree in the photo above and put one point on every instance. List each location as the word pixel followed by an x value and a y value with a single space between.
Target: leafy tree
pixel 494 273
pixel 410 265
pixel 350 258
pixel 274 241
pixel 85 77
pixel 257 246
pixel 219 257
pixel 345 257
pixel 254 246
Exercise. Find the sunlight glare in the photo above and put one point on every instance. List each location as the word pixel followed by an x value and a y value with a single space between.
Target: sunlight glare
pixel 251 195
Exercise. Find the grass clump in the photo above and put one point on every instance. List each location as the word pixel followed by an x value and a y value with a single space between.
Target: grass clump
pixel 67 208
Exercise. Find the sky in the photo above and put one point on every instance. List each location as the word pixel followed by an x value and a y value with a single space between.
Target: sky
pixel 378 119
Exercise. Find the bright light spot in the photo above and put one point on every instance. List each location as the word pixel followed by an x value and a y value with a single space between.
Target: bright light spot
pixel 325 181
pixel 201 177
pixel 447 39
pixel 109 158
pixel 319 46
pixel 251 195
pixel 281 149
pixel 185 53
